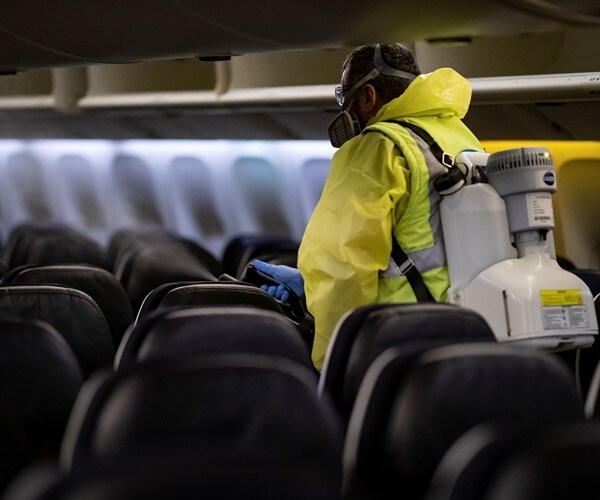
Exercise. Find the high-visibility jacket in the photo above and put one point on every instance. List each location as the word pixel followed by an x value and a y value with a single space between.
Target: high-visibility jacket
pixel 379 182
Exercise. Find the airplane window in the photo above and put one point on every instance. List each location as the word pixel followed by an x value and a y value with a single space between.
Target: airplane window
pixel 194 196
pixel 260 196
pixel 314 173
pixel 26 178
pixel 79 195
pixel 134 192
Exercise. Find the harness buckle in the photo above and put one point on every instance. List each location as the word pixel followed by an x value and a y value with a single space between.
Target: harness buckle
pixel 406 266
pixel 447 160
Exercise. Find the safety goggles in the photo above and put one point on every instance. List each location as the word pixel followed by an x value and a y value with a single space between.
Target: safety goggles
pixel 343 93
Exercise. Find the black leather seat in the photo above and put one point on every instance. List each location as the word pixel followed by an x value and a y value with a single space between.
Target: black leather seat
pixel 551 464
pixel 143 268
pixel 52 244
pixel 407 418
pixel 206 293
pixel 191 331
pixel 124 240
pixel 40 378
pixel 583 362
pixel 74 315
pixel 181 478
pixel 253 423
pixel 368 331
pixel 241 249
pixel 101 285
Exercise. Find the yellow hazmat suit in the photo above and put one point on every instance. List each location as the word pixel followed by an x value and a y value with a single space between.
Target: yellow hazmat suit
pixel 379 182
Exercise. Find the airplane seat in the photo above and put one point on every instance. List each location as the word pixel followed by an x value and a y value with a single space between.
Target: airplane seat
pixel 369 330
pixel 74 315
pixel 245 419
pixel 208 293
pixel 101 285
pixel 123 240
pixel 565 263
pixel 583 362
pixel 152 301
pixel 144 268
pixel 243 248
pixel 551 464
pixel 177 478
pixel 20 238
pixel 40 379
pixel 52 243
pixel 176 333
pixel 15 452
pixel 591 277
pixel 403 422
pixel 279 258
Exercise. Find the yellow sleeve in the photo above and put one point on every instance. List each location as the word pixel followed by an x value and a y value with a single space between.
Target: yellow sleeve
pixel 348 238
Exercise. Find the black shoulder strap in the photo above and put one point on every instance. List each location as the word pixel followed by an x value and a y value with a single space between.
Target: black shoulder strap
pixel 404 263
pixel 408 269
pixel 441 156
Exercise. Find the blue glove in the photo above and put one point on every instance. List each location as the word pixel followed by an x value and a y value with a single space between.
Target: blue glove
pixel 286 275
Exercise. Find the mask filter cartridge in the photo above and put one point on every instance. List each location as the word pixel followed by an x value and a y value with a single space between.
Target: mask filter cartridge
pixel 343 128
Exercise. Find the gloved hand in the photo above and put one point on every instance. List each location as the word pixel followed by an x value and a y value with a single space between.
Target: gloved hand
pixel 289 276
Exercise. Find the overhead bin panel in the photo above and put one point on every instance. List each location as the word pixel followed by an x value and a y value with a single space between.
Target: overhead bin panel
pixel 62 33
pixel 285 68
pixel 151 83
pixel 32 89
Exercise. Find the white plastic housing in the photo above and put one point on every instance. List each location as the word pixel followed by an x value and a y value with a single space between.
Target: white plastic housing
pixel 534 301
pixel 476 234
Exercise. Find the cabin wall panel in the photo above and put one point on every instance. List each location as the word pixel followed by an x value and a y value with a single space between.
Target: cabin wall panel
pixel 208 191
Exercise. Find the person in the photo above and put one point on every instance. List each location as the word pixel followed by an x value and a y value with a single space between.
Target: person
pixel 379 187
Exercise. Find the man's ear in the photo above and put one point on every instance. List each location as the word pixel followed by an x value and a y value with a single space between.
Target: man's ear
pixel 369 97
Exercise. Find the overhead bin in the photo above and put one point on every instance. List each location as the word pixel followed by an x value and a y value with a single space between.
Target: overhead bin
pixel 32 89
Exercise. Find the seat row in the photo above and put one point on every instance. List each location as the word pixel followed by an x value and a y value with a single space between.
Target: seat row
pixel 228 424
pixel 375 352
pixel 203 324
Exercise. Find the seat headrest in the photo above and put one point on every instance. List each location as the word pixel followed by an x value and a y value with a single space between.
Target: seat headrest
pixel 455 388
pixel 224 407
pixel 40 379
pixel 74 315
pixel 370 330
pixel 192 331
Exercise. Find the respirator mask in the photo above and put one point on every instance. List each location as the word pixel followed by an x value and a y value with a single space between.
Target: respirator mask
pixel 345 126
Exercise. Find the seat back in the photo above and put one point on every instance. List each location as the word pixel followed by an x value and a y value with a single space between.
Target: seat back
pixel 142 269
pixel 551 464
pixel 124 240
pixel 368 331
pixel 99 284
pixel 40 378
pixel 74 315
pixel 193 331
pixel 241 249
pixel 181 478
pixel 233 412
pixel 406 420
pixel 52 244
pixel 219 293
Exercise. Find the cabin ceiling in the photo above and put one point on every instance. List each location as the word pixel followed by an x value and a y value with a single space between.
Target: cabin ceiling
pixel 55 33
pixel 119 70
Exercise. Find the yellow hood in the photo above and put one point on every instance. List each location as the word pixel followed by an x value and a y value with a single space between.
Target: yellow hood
pixel 443 92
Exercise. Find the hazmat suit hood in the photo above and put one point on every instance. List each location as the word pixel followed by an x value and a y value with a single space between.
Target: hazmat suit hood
pixel 444 92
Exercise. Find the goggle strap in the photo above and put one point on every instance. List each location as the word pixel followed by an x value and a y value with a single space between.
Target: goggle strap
pixel 380 65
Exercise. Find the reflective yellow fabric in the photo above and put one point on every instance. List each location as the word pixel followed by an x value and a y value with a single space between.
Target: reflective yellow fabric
pixel 379 181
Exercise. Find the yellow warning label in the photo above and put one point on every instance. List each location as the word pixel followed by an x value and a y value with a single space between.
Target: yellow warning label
pixel 572 297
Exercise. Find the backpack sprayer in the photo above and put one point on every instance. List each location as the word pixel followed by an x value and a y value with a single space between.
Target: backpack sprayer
pixel 497 221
